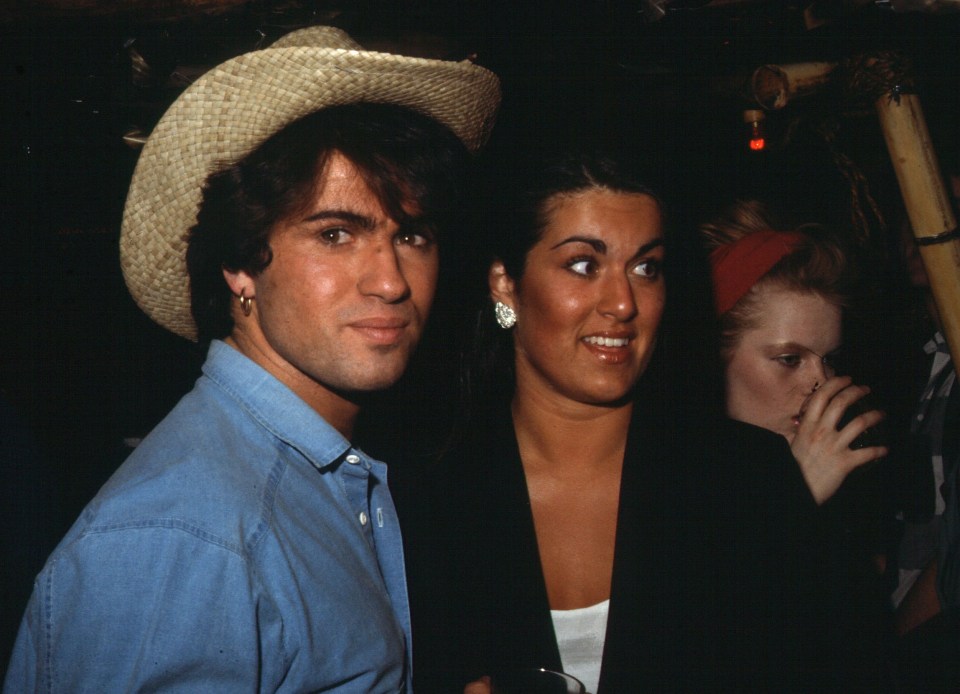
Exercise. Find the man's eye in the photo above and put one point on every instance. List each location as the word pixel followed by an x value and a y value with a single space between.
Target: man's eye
pixel 410 238
pixel 650 268
pixel 335 236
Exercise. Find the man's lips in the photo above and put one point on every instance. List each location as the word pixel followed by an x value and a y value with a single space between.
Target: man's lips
pixel 381 330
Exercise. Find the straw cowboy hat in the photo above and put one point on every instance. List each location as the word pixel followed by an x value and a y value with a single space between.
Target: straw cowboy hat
pixel 234 107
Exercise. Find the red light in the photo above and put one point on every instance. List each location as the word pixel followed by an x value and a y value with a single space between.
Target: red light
pixel 753 119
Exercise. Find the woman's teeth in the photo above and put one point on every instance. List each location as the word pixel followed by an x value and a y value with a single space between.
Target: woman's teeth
pixel 607 341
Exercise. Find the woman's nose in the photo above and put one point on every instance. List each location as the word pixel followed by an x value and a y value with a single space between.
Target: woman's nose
pixel 821 372
pixel 617 299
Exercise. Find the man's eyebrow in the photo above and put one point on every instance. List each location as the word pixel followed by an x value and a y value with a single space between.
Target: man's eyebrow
pixel 356 218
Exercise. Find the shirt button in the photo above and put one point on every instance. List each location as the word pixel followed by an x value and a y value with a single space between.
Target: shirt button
pixel 363 518
pixel 353 459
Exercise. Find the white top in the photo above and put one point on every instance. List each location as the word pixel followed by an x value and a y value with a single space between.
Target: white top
pixel 580 634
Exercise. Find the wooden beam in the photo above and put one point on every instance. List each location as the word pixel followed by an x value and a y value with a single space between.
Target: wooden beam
pixel 928 205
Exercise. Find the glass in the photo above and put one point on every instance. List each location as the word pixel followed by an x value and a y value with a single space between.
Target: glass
pixel 875 435
pixel 536 681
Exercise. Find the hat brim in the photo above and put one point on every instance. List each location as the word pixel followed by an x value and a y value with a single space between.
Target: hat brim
pixel 236 106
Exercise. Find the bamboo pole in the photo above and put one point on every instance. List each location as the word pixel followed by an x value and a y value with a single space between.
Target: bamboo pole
pixel 774 86
pixel 911 152
pixel 928 205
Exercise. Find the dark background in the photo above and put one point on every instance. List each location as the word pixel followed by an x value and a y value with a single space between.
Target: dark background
pixel 82 369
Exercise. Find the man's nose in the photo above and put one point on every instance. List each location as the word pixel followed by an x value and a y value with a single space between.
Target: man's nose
pixel 382 275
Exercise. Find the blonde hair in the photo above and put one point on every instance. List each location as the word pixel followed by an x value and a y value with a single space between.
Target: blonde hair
pixel 817 266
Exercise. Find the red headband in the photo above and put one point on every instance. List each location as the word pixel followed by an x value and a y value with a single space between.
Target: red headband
pixel 738 266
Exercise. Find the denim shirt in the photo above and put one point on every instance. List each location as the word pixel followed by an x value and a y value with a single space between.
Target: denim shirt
pixel 243 547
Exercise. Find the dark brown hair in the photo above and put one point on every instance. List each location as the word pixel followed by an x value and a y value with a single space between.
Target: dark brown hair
pixel 403 157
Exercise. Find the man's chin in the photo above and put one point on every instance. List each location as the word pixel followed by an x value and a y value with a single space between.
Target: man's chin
pixel 369 384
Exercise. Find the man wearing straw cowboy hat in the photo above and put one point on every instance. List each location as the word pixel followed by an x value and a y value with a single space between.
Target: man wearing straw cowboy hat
pixel 287 208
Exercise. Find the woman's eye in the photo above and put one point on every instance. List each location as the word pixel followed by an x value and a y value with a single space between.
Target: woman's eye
pixel 835 361
pixel 650 268
pixel 581 266
pixel 789 360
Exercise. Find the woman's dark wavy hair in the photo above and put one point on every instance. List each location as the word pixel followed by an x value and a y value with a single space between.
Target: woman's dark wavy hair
pixel 518 198
pixel 402 155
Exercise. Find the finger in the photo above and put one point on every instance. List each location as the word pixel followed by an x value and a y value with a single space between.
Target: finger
pixel 834 410
pixel 860 424
pixel 861 456
pixel 818 401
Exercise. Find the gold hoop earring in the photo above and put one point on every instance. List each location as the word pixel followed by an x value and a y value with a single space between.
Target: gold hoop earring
pixel 246 303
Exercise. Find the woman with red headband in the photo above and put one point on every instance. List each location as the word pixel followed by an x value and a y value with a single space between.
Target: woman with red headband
pixel 779 296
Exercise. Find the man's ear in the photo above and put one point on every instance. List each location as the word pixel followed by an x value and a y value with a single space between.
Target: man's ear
pixel 501 284
pixel 240 283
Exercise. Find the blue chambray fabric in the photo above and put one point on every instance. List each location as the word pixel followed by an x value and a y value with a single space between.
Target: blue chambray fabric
pixel 244 546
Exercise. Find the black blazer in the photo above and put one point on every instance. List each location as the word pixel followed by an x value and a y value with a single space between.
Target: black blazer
pixel 705 583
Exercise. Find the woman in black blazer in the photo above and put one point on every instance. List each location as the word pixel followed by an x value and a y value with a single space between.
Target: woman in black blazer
pixel 581 490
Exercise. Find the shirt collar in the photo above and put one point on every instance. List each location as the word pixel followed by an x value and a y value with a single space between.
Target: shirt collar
pixel 936 344
pixel 274 406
